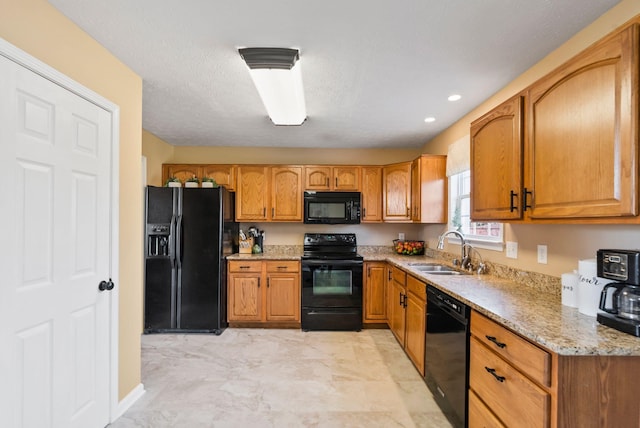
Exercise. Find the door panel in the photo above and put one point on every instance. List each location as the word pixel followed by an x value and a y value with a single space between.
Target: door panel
pixel 55 161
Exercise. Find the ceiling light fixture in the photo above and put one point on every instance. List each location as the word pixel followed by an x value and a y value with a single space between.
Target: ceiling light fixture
pixel 429 119
pixel 454 97
pixel 278 79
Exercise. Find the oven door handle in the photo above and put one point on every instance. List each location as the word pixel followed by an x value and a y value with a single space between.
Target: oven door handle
pixel 332 263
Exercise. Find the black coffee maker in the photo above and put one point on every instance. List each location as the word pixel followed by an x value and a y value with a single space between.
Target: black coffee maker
pixel 623 313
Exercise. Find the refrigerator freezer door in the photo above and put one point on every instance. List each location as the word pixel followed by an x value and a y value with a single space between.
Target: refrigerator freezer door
pixel 199 265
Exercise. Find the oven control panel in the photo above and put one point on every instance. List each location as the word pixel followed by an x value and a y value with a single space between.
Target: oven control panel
pixel 619 265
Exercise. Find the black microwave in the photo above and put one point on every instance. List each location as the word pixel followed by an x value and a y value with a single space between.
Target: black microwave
pixel 332 207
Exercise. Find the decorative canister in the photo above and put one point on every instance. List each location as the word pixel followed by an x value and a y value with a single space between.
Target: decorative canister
pixel 589 287
pixel 570 282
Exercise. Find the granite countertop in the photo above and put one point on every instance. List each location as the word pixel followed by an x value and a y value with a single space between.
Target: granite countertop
pixel 525 303
pixel 533 312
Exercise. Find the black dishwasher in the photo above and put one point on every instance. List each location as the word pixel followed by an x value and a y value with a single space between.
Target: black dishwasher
pixel 447 353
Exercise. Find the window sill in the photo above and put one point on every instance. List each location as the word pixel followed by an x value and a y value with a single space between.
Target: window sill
pixel 479 243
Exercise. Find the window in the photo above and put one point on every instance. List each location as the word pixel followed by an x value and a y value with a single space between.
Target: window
pixel 480 234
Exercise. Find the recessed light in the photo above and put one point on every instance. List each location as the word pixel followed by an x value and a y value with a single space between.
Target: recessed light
pixel 429 119
pixel 454 97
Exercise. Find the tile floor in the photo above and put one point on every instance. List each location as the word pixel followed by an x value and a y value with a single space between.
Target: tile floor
pixel 280 378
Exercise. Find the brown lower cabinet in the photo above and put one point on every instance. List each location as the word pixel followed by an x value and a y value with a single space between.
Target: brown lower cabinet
pixel 516 383
pixel 263 292
pixel 374 293
pixel 406 308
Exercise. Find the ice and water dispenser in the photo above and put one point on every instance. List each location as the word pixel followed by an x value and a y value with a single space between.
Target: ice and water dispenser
pixel 158 240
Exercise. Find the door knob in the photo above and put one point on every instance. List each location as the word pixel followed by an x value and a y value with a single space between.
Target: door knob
pixel 106 285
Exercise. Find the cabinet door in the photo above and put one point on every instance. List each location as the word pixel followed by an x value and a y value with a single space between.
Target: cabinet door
pixel 182 172
pixel 415 330
pixel 245 297
pixel 252 193
pixel 429 189
pixel 225 175
pixel 397 192
pixel 496 163
pixel 317 178
pixel 583 133
pixel 283 297
pixel 396 311
pixel 371 194
pixel 346 178
pixel 374 292
pixel 286 193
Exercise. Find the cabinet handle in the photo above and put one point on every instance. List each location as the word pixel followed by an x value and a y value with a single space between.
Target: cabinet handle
pixel 336 181
pixel 258 282
pixel 268 282
pixel 389 277
pixel 525 204
pixel 282 267
pixel 327 180
pixel 493 373
pixel 408 211
pixel 245 267
pixel 264 211
pixel 369 272
pixel 364 212
pixel 401 299
pixel 273 212
pixel 494 340
pixel 512 207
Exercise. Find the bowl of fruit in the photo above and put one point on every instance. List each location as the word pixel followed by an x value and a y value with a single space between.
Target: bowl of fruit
pixel 408 248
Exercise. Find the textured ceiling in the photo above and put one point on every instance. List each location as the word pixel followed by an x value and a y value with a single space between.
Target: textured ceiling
pixel 372 69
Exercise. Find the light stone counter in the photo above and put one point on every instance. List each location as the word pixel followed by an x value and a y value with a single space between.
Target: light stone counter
pixel 535 311
pixel 525 302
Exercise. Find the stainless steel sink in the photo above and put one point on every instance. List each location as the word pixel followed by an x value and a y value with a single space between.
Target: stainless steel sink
pixel 435 269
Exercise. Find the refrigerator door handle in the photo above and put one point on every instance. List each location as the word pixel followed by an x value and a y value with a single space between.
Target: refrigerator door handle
pixel 179 241
pixel 172 240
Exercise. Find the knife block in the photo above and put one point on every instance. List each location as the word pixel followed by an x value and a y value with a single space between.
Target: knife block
pixel 246 245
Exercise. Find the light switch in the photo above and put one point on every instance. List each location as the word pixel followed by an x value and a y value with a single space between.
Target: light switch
pixel 542 254
pixel 512 250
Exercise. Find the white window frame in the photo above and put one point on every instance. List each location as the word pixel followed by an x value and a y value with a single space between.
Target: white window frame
pixel 459 216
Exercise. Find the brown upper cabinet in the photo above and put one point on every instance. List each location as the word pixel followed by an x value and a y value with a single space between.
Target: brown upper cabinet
pixel 225 175
pixel 496 163
pixel 325 177
pixel 269 193
pixel 583 133
pixel 396 192
pixel 182 172
pixel 579 158
pixel 371 194
pixel 429 189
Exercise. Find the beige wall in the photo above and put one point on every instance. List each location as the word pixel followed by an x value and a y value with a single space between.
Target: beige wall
pixel 39 29
pixel 157 152
pixel 566 243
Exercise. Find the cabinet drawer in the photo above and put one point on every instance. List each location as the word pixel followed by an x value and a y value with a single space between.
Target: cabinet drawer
pixel 417 287
pixel 283 266
pixel 480 416
pixel 398 275
pixel 524 355
pixel 242 266
pixel 512 397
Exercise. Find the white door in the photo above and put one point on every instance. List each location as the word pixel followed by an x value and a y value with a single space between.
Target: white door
pixel 55 162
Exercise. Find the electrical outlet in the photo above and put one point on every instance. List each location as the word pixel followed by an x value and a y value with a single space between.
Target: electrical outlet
pixel 401 236
pixel 512 250
pixel 542 254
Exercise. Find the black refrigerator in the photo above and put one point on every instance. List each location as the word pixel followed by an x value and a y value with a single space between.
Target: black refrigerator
pixel 189 233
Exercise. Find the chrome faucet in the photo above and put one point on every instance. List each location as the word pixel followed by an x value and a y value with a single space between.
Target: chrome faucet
pixel 463 245
pixel 466 263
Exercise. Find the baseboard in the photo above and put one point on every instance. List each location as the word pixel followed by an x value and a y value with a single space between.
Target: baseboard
pixel 128 401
